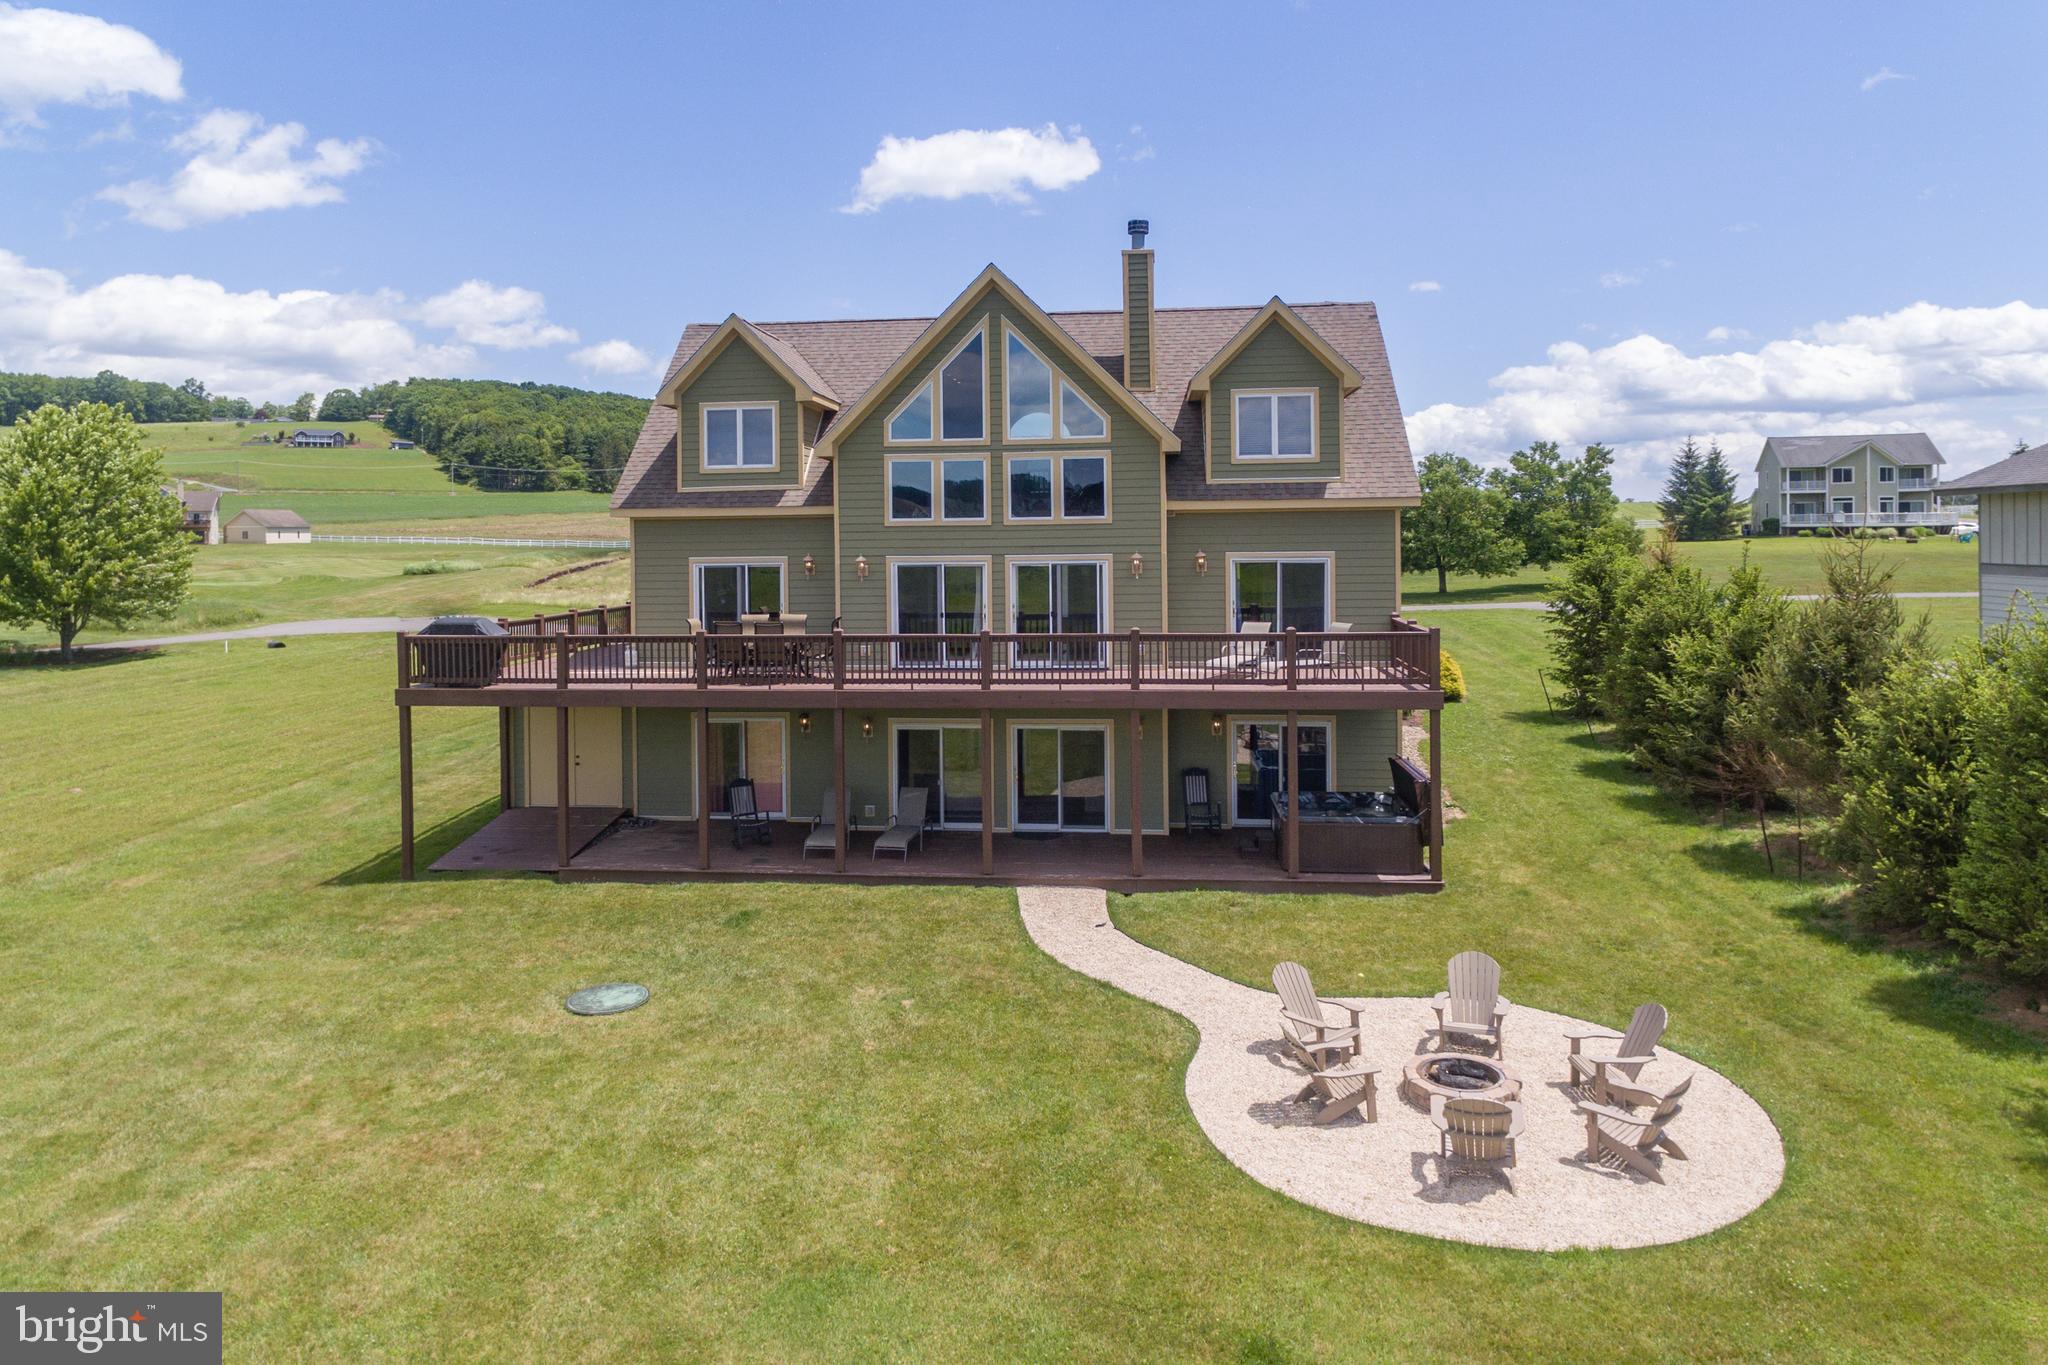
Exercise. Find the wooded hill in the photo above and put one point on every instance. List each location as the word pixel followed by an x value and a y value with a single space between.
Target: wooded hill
pixel 505 437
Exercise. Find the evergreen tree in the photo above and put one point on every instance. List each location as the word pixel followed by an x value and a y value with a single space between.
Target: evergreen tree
pixel 1682 488
pixel 1715 514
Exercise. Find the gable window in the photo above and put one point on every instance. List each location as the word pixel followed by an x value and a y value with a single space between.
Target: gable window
pixel 913 421
pixel 960 492
pixel 1029 382
pixel 1080 420
pixel 1058 487
pixel 962 390
pixel 1841 473
pixel 1886 473
pixel 725 592
pixel 739 435
pixel 1275 426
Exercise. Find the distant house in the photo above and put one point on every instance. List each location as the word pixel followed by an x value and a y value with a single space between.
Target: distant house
pixel 317 436
pixel 1846 482
pixel 403 445
pixel 202 511
pixel 376 416
pixel 268 526
pixel 2012 535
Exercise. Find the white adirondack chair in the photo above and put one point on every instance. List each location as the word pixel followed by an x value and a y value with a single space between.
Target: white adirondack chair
pixel 1632 1137
pixel 1473 1006
pixel 1638 1049
pixel 1308 1025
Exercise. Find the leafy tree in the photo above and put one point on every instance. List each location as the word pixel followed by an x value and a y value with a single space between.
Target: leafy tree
pixel 343 405
pixel 1555 503
pixel 1461 526
pixel 1999 901
pixel 301 409
pixel 86 532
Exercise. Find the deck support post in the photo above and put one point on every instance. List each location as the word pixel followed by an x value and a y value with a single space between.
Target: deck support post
pixel 703 747
pixel 845 811
pixel 561 788
pixel 988 792
pixel 405 793
pixel 1292 741
pixel 1436 793
pixel 1132 724
pixel 504 758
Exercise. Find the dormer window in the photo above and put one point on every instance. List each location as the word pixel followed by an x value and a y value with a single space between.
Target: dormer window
pixel 1278 425
pixel 738 435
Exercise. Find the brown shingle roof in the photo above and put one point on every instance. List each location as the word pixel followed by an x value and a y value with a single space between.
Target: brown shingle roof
pixel 850 356
pixel 276 518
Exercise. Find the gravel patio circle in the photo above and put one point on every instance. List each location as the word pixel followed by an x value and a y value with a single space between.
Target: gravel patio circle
pixel 1241 1085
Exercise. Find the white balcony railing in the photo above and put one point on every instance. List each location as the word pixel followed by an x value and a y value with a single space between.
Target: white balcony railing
pixel 1806 485
pixel 1916 485
pixel 1854 519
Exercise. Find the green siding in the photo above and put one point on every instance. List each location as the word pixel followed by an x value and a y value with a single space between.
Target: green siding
pixel 665 744
pixel 1274 359
pixel 664 546
pixel 1135 497
pixel 1138 311
pixel 738 374
pixel 1365 542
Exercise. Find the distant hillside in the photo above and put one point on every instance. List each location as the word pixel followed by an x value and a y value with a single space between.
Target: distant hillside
pixel 145 399
pixel 506 437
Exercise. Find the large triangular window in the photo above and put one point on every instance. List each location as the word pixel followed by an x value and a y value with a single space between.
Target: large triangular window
pixel 913 421
pixel 1040 403
pixel 952 402
pixel 1080 420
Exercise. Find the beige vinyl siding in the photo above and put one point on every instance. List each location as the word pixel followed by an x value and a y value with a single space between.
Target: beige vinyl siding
pixel 1365 542
pixel 2004 592
pixel 738 374
pixel 664 546
pixel 2012 528
pixel 1138 304
pixel 1134 496
pixel 1274 359
pixel 628 754
pixel 1364 741
pixel 1766 502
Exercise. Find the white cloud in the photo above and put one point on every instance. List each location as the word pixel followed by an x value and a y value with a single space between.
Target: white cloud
pixel 1620 279
pixel 1138 148
pixel 1005 164
pixel 1740 227
pixel 238 167
pixel 1727 334
pixel 1960 374
pixel 614 357
pixel 50 57
pixel 1880 76
pixel 484 314
pixel 1425 287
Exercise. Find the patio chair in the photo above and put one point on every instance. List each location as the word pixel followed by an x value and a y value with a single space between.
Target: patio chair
pixel 1305 1021
pixel 1238 655
pixel 1473 1006
pixel 908 824
pixel 1633 1137
pixel 1475 1132
pixel 824 830
pixel 1590 1071
pixel 1202 810
pixel 1344 1089
pixel 745 815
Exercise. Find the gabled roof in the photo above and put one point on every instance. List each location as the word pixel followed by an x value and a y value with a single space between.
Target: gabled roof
pixel 1905 447
pixel 785 359
pixel 276 518
pixel 1275 312
pixel 319 431
pixel 195 499
pixel 2026 472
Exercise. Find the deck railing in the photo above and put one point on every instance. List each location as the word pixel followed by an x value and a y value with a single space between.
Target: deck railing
pixel 579 649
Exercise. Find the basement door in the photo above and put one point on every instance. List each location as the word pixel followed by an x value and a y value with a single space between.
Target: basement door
pixel 596 776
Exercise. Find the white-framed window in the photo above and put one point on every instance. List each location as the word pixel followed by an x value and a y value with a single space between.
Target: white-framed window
pixel 937 597
pixel 1887 474
pixel 912 421
pixel 1056 487
pixel 1283 591
pixel 1841 473
pixel 951 403
pixel 928 488
pixel 1059 597
pixel 1039 402
pixel 1277 424
pixel 1061 775
pixel 738 435
pixel 725 590
pixel 1845 507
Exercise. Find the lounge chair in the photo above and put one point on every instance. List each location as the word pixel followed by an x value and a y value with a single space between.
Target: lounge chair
pixel 1474 1131
pixel 1239 655
pixel 908 824
pixel 1473 1006
pixel 823 837
pixel 1201 807
pixel 1306 1023
pixel 744 813
pixel 1590 1071
pixel 1632 1137
pixel 1344 1089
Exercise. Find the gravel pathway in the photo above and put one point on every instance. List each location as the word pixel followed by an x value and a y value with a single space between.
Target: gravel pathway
pixel 1241 1085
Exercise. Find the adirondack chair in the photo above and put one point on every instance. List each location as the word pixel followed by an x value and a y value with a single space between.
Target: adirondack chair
pixel 908 824
pixel 745 815
pixel 1632 1137
pixel 1344 1089
pixel 1312 1033
pixel 1202 810
pixel 1638 1049
pixel 823 833
pixel 1476 1132
pixel 1473 1006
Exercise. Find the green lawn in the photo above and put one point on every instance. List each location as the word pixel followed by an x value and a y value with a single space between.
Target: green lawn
pixel 570 514
pixel 874 1124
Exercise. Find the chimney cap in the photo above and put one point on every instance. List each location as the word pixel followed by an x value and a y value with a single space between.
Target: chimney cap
pixel 1137 227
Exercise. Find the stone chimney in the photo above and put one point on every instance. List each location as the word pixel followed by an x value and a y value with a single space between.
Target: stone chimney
pixel 1139 353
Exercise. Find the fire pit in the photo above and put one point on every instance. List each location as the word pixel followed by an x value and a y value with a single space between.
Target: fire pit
pixel 1458 1075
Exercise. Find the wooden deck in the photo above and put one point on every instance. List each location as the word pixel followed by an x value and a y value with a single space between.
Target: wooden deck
pixel 522 840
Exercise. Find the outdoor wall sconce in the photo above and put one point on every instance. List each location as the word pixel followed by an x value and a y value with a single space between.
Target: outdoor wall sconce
pixel 867 727
pixel 1137 566
pixel 1216 724
pixel 1201 561
pixel 810 566
pixel 803 721
pixel 860 566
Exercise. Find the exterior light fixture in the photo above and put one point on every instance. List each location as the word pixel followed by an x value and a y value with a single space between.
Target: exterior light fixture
pixel 810 566
pixel 1201 561
pixel 860 566
pixel 867 727
pixel 1216 723
pixel 803 721
pixel 1137 566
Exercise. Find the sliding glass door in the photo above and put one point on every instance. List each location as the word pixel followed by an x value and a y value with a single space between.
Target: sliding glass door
pixel 1062 777
pixel 1259 765
pixel 1059 598
pixel 938 599
pixel 726 591
pixel 945 760
pixel 1287 593
pixel 751 748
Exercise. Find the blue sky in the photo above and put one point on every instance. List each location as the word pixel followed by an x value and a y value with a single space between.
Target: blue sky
pixel 1639 221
